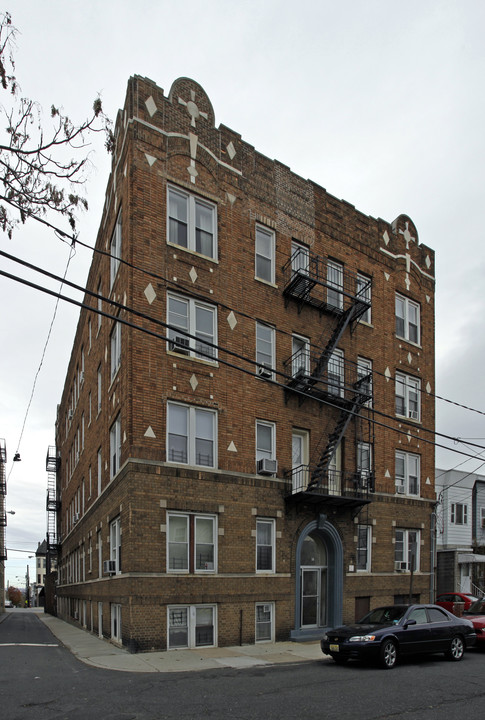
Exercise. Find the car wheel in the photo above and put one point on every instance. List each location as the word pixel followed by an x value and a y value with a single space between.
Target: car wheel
pixel 456 650
pixel 388 654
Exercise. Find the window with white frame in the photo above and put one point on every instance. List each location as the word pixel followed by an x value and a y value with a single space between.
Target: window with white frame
pixel 115 543
pixel 335 284
pixel 407 473
pixel 191 626
pixel 115 249
pixel 116 622
pixel 300 257
pixel 100 305
pixel 192 223
pixel 100 380
pixel 265 441
pixel 459 514
pixel 408 396
pixel 407 550
pixel 191 545
pixel 115 347
pixel 265 254
pixel 265 545
pixel 336 373
pixel 115 446
pixel 191 435
pixel 364 291
pixel 364 377
pixel 300 441
pixel 264 630
pixel 364 459
pixel 195 318
pixel 482 518
pixel 265 350
pixel 300 356
pixel 363 551
pixel 407 319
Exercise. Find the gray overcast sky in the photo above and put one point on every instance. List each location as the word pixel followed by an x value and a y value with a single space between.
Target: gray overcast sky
pixel 379 101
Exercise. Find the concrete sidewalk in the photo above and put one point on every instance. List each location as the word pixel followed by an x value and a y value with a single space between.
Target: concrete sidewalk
pixel 103 654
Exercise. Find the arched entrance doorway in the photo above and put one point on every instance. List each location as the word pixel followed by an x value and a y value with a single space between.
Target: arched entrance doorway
pixel 318 580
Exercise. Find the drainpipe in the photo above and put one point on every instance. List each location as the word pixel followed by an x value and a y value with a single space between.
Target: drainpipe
pixel 432 586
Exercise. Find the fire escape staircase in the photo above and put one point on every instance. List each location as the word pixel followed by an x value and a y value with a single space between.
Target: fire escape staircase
pixel 52 507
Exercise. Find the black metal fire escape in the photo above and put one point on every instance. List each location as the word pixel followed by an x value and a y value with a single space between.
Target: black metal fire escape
pixel 320 372
pixel 52 507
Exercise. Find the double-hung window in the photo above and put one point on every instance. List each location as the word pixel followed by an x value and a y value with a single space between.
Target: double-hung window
pixel 459 514
pixel 336 373
pixel 363 554
pixel 265 254
pixel 265 545
pixel 115 446
pixel 115 346
pixel 300 357
pixel 115 543
pixel 407 319
pixel 191 435
pixel 300 258
pixel 364 378
pixel 197 319
pixel 364 459
pixel 364 285
pixel 265 443
pixel 115 249
pixel 265 350
pixel 192 223
pixel 406 550
pixel 191 545
pixel 335 284
pixel 407 473
pixel 408 396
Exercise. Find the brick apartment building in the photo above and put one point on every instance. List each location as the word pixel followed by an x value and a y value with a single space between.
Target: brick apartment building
pixel 242 444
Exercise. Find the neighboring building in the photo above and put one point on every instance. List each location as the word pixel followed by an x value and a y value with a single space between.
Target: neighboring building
pixel 241 451
pixel 460 532
pixel 40 573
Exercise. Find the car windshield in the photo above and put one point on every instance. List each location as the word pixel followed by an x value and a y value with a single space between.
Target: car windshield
pixel 477 608
pixel 384 615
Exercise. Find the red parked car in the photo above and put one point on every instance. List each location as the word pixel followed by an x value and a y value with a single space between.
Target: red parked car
pixel 447 600
pixel 476 613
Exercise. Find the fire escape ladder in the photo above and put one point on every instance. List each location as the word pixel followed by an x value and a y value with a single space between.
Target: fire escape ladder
pixel 52 507
pixel 332 343
pixel 335 438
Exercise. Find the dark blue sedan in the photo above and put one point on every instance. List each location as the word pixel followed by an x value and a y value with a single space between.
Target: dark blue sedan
pixel 389 632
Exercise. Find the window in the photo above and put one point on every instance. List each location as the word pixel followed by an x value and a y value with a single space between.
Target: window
pixel 336 373
pixel 195 318
pixel 115 343
pixel 265 250
pixel 264 622
pixel 115 543
pixel 364 285
pixel 99 544
pixel 482 518
pixel 364 459
pixel 408 396
pixel 265 344
pixel 300 257
pixel 191 626
pixel 192 223
pixel 335 284
pixel 459 514
pixel 99 388
pixel 407 319
pixel 265 545
pixel 364 378
pixel 100 471
pixel 191 435
pixel 363 547
pixel 265 440
pixel 300 356
pixel 115 250
pixel 407 473
pixel 299 460
pixel 116 622
pixel 191 543
pixel 406 550
pixel 115 446
pixel 100 305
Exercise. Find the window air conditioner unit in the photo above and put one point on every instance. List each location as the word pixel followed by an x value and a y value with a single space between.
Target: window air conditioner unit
pixel 265 370
pixel 75 519
pixel 399 565
pixel 414 415
pixel 109 567
pixel 400 489
pixel 267 466
pixel 179 344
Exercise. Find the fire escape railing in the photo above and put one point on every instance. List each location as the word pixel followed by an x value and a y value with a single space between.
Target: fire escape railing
pixel 52 507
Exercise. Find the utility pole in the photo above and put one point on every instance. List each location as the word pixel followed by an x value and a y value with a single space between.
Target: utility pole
pixel 27 589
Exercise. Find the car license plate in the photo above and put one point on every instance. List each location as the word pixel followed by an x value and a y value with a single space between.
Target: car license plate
pixel 334 648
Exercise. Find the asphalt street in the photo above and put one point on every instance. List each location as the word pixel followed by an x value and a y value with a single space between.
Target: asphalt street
pixel 42 678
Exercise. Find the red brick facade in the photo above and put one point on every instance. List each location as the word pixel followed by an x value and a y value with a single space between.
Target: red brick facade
pixel 232 287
